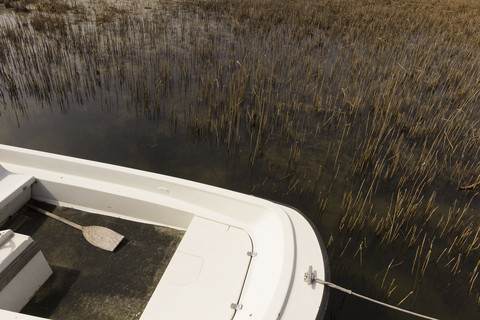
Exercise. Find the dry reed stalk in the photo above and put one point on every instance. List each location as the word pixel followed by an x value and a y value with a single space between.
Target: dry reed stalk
pixel 359 250
pixel 330 241
pixel 391 288
pixel 414 261
pixel 472 281
pixel 455 267
pixel 473 276
pixel 427 259
pixel 405 298
pixel 386 272
pixel 345 247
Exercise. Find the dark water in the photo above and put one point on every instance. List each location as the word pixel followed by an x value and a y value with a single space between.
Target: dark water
pixel 161 97
pixel 124 138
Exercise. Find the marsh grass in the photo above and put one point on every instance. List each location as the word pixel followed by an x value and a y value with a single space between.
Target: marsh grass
pixel 372 123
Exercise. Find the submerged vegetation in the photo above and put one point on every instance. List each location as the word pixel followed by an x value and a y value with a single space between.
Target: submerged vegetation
pixel 364 112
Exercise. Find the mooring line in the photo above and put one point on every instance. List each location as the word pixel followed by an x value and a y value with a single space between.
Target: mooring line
pixel 334 286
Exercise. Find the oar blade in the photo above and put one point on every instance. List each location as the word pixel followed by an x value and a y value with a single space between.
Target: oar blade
pixel 102 237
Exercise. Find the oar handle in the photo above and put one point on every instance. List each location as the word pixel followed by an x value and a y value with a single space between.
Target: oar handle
pixel 54 216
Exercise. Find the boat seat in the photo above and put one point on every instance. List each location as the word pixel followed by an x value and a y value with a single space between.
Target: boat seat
pixel 204 279
pixel 15 191
pixel 23 270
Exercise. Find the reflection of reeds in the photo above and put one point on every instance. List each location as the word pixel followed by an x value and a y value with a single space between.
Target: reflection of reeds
pixel 339 106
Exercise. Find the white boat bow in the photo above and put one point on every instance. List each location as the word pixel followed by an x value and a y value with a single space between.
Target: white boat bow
pixel 241 257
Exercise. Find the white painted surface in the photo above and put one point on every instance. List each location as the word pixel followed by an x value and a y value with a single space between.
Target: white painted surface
pixel 28 280
pixel 14 192
pixel 281 239
pixel 25 284
pixel 205 275
pixel 12 248
pixel 308 253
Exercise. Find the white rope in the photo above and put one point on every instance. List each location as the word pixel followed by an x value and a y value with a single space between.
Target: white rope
pixel 334 286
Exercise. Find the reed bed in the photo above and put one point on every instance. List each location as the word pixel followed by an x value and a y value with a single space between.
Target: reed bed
pixel 371 122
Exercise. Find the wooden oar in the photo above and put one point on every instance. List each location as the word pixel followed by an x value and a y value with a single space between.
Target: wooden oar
pixel 100 237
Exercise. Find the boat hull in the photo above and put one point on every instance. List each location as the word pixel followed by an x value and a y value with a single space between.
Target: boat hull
pixel 284 243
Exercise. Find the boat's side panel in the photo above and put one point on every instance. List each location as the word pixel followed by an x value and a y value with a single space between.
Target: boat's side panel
pixel 109 199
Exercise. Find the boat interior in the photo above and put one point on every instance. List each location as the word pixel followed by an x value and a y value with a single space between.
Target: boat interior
pixel 88 282
pixel 203 261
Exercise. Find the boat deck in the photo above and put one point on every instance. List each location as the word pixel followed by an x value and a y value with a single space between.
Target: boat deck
pixel 90 283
